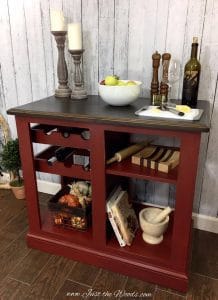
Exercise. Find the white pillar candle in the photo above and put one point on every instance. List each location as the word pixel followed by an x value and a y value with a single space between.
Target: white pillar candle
pixel 74 36
pixel 57 21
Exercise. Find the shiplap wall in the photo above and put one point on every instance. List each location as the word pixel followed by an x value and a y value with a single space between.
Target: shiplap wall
pixel 118 37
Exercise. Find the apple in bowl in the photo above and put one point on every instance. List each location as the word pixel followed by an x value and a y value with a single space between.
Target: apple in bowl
pixel 119 92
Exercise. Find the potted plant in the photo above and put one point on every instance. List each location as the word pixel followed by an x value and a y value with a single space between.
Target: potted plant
pixel 10 161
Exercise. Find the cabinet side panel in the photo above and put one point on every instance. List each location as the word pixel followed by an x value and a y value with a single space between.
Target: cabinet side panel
pixel 26 153
pixel 184 198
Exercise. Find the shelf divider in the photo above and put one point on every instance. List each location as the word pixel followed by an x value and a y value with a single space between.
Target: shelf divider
pixel 98 181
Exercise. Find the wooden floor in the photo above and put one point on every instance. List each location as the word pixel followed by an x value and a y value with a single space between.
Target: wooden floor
pixel 30 274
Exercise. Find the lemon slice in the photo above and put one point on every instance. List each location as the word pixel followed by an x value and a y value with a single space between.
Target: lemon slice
pixel 156 110
pixel 183 108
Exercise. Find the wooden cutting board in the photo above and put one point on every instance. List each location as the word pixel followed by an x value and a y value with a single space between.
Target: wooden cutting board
pixel 159 158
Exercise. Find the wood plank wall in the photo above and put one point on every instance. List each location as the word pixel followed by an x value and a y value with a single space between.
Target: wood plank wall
pixel 119 36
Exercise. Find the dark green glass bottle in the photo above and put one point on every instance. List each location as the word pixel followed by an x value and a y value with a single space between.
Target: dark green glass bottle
pixel 191 77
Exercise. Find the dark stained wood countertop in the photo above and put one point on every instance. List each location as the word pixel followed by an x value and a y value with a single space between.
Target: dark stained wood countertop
pixel 95 110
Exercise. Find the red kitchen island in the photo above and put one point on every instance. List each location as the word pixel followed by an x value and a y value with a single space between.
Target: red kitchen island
pixel 110 129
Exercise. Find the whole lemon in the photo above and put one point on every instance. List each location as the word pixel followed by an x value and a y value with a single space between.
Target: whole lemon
pixel 111 80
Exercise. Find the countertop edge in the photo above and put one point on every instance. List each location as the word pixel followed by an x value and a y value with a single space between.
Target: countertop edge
pixel 150 122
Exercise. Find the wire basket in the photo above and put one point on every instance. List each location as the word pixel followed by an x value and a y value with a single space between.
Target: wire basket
pixel 69 217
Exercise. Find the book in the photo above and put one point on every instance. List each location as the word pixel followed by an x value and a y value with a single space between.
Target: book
pixel 124 216
pixel 112 197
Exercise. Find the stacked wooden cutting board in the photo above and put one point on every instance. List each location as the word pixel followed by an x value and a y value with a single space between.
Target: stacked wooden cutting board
pixel 160 158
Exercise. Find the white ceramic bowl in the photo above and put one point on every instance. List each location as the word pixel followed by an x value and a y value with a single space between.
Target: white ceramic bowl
pixel 120 95
pixel 152 233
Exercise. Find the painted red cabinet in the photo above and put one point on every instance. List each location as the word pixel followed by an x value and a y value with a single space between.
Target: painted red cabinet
pixel 109 128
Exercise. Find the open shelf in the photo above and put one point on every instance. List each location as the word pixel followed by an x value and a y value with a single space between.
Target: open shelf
pixel 127 169
pixel 142 251
pixel 60 168
pixel 64 234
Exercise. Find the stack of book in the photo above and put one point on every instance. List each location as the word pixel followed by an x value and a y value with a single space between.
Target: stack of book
pixel 159 158
pixel 122 216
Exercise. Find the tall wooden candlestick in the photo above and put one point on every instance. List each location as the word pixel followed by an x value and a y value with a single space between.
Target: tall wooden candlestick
pixel 78 91
pixel 164 82
pixel 155 83
pixel 63 90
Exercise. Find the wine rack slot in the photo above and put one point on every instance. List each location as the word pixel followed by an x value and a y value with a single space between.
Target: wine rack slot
pixel 60 135
pixel 65 168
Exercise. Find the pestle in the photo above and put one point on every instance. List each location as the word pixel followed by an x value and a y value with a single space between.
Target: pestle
pixel 161 216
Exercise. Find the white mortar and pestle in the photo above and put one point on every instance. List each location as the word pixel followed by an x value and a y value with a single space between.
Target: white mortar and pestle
pixel 154 222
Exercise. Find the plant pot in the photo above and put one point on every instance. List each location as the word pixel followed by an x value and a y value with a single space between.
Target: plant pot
pixel 19 192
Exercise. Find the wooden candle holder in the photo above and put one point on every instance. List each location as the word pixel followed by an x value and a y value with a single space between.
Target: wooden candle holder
pixel 78 91
pixel 63 90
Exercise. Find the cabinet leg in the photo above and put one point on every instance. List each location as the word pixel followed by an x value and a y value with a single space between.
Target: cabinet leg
pixel 27 160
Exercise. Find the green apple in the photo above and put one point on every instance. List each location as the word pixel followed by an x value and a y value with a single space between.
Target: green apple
pixel 121 82
pixel 131 82
pixel 111 80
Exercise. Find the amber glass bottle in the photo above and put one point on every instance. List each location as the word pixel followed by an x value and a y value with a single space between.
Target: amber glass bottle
pixel 191 77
